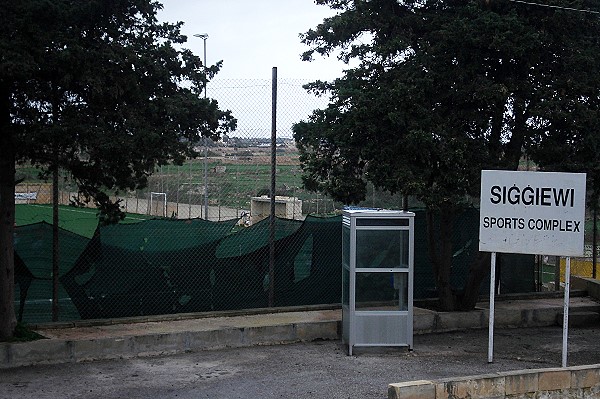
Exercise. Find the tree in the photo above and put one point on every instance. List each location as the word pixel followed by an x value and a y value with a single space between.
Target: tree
pixel 567 140
pixel 98 88
pixel 441 90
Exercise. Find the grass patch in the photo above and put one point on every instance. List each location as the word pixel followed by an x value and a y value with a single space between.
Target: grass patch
pixel 82 221
pixel 23 333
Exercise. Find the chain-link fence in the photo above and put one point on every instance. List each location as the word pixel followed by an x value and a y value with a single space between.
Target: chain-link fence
pixel 206 245
pixel 220 184
pixel 164 265
pixel 178 263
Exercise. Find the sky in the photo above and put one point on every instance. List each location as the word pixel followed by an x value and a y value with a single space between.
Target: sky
pixel 253 36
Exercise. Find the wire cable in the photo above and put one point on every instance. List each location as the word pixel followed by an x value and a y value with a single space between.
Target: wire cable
pixel 557 7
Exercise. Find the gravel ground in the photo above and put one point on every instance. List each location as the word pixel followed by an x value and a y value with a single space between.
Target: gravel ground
pixel 306 370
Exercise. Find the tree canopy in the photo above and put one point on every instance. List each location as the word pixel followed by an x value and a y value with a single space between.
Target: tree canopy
pixel 438 90
pixel 101 89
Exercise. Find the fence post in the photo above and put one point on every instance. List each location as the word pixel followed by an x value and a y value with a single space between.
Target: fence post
pixel 595 238
pixel 55 243
pixel 557 273
pixel 273 171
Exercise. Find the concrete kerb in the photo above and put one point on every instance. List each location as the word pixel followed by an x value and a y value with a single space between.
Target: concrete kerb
pixel 161 336
pixel 56 351
pixel 577 381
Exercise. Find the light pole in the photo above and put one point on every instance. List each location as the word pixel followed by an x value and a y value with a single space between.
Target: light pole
pixel 204 36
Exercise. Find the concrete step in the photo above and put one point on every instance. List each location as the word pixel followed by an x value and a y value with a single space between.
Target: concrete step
pixel 580 318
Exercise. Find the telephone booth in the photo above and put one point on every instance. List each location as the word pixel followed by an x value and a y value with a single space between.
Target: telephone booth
pixel 377 278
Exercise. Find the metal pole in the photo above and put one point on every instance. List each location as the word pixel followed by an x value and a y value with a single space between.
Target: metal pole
pixel 273 171
pixel 595 238
pixel 491 316
pixel 204 36
pixel 189 190
pixel 205 179
pixel 177 193
pixel 557 273
pixel 55 239
pixel 566 311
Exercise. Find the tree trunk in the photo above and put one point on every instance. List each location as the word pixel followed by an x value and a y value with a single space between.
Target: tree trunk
pixel 514 148
pixel 478 270
pixel 8 320
pixel 440 252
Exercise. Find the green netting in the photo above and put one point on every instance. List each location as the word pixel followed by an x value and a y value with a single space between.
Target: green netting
pixel 310 271
pixel 515 275
pixel 254 238
pixel 307 266
pixel 164 235
pixel 151 267
pixel 169 266
pixel 33 270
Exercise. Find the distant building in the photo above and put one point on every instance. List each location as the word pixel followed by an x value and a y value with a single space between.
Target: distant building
pixel 285 207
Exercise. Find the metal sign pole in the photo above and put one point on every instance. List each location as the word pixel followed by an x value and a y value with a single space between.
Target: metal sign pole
pixel 566 311
pixel 491 316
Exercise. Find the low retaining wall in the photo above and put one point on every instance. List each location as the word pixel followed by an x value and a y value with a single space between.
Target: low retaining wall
pixel 590 285
pixel 139 344
pixel 559 383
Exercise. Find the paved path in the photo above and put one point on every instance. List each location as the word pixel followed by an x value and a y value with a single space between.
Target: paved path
pixel 171 334
pixel 166 356
pixel 319 369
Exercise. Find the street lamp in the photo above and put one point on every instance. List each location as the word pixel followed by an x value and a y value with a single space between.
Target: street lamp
pixel 204 36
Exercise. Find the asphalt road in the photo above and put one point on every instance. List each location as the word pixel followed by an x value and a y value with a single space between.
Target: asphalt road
pixel 306 370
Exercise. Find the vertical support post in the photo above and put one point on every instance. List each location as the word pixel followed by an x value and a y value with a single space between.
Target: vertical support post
pixel 595 238
pixel 566 311
pixel 55 243
pixel 273 172
pixel 491 315
pixel 206 178
pixel 162 179
pixel 166 191
pixel 540 265
pixel 190 190
pixel 204 37
pixel 557 273
pixel 177 192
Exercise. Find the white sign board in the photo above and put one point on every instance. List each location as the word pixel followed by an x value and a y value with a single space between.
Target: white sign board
pixel 532 212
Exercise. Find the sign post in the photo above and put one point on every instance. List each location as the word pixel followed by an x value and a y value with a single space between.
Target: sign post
pixel 532 213
pixel 566 311
pixel 492 301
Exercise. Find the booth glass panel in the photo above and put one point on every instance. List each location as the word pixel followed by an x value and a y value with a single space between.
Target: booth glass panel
pixel 382 291
pixel 382 248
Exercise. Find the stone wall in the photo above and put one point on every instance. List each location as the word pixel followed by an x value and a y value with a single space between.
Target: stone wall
pixel 569 382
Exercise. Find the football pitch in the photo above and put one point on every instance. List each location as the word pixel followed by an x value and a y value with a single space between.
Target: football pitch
pixel 82 221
